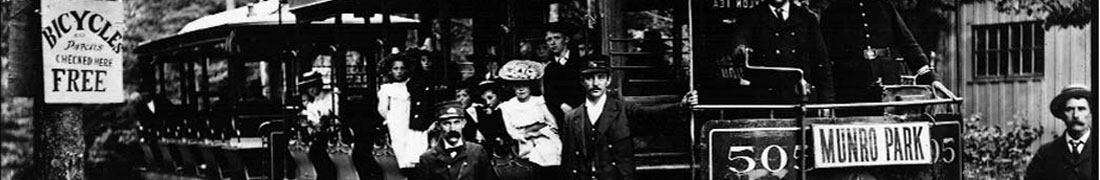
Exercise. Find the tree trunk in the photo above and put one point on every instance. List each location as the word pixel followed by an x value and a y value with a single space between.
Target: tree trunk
pixel 59 147
pixel 19 86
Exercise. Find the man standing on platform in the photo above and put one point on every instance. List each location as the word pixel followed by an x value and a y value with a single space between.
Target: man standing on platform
pixel 596 139
pixel 865 39
pixel 1073 155
pixel 455 158
pixel 563 92
pixel 780 33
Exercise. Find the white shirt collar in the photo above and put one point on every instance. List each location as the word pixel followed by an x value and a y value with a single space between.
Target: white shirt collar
pixel 563 57
pixel 594 109
pixel 786 7
pixel 1084 139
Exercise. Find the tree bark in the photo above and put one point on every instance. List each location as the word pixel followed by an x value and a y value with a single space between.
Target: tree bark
pixel 61 143
pixel 21 64
pixel 59 147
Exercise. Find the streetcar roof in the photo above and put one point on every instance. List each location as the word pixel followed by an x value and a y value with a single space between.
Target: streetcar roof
pixel 268 12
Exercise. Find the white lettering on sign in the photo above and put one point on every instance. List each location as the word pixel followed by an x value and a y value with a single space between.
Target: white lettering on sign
pixel 871 144
pixel 82 51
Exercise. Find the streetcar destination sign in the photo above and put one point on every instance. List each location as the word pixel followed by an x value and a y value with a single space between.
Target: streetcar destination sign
pixel 871 144
pixel 82 51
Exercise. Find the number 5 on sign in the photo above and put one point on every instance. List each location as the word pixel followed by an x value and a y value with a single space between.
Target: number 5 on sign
pixel 738 154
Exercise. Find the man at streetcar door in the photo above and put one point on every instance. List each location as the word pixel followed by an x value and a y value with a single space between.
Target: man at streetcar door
pixel 596 138
pixel 865 38
pixel 1071 156
pixel 456 158
pixel 563 65
pixel 780 33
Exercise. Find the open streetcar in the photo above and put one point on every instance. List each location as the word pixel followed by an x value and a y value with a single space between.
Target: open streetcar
pixel 226 96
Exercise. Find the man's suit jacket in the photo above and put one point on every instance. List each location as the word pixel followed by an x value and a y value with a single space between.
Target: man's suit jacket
pixel 563 83
pixel 1054 161
pixel 850 26
pixel 795 42
pixel 472 163
pixel 604 150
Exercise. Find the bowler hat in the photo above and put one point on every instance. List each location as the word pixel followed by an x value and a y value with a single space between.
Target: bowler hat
pixel 1070 91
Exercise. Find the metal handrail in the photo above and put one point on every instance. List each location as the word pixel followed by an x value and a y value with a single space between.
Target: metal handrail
pixel 828 105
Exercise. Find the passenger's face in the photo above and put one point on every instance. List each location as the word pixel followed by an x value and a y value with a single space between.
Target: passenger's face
pixel 556 41
pixel 522 92
pixel 463 95
pixel 399 71
pixel 426 62
pixel 596 84
pixel 490 98
pixel 1078 115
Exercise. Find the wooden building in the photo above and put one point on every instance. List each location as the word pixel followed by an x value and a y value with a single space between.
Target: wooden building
pixel 1009 66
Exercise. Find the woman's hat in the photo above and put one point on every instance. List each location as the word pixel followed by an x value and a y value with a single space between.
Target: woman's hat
pixel 1070 91
pixel 309 79
pixel 521 71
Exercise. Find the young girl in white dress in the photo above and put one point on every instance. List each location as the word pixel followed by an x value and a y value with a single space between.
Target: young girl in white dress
pixel 395 105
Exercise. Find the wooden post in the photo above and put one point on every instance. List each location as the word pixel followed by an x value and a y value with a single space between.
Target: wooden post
pixel 59 148
pixel 19 88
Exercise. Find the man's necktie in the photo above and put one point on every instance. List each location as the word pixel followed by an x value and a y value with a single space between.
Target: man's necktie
pixel 779 14
pixel 1075 144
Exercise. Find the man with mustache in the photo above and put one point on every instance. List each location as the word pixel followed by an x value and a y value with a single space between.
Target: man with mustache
pixel 1071 156
pixel 454 158
pixel 596 139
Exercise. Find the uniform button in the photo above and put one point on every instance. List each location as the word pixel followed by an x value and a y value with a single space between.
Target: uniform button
pixel 416 116
pixel 577 153
pixel 777 51
pixel 448 166
pixel 863 14
pixel 776 34
pixel 860 3
pixel 792 33
pixel 609 146
pixel 612 163
pixel 792 51
pixel 866 25
pixel 867 35
pixel 574 171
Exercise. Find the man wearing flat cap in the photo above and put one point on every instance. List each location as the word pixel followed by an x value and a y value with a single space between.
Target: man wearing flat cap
pixel 1072 156
pixel 596 138
pixel 454 158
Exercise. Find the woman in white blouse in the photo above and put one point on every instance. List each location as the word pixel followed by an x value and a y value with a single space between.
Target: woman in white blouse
pixel 527 119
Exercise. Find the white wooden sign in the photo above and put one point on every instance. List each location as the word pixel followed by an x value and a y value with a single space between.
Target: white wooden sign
pixel 82 53
pixel 871 144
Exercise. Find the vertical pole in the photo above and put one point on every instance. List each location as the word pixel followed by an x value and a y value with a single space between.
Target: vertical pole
pixel 20 79
pixel 691 87
pixel 60 144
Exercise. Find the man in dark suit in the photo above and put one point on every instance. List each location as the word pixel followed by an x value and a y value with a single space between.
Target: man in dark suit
pixel 563 92
pixel 596 139
pixel 783 34
pixel 865 38
pixel 1073 155
pixel 454 158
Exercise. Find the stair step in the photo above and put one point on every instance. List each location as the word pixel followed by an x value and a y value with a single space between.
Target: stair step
pixel 649 80
pixel 645 53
